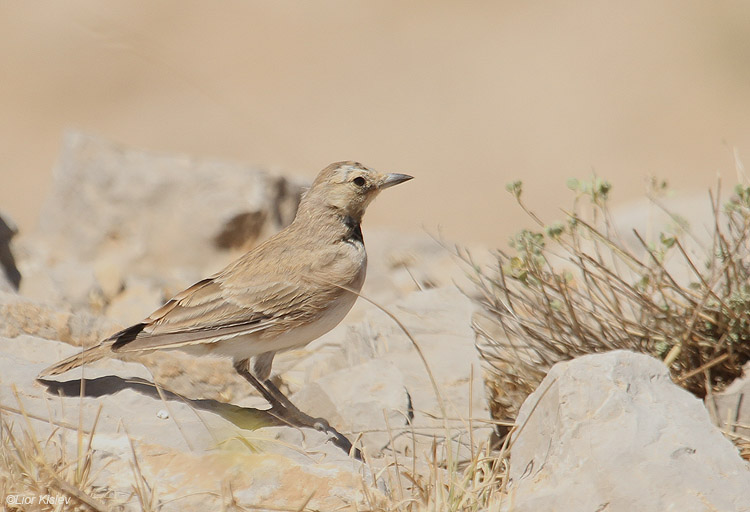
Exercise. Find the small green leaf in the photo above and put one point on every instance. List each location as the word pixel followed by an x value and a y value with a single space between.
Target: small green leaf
pixel 604 187
pixel 661 347
pixel 515 188
pixel 555 230
pixel 667 241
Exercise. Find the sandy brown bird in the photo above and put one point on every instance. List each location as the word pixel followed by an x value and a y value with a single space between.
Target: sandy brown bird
pixel 285 293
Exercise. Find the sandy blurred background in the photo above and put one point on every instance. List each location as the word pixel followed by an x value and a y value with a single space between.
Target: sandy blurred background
pixel 466 96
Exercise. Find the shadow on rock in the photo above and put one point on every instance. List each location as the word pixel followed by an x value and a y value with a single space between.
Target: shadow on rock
pixel 247 418
pixel 7 261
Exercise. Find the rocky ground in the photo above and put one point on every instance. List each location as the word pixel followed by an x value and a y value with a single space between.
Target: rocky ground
pixel 123 230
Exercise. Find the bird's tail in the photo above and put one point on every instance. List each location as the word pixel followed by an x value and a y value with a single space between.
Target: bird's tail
pixel 87 356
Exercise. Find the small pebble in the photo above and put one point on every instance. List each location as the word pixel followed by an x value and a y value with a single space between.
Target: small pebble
pixel 162 414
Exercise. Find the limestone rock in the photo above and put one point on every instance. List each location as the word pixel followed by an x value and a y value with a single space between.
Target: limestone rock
pixel 20 315
pixel 612 432
pixel 368 398
pixel 136 301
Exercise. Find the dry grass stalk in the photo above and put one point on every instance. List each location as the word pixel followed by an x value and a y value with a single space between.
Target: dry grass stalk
pixel 42 472
pixel 575 288
pixel 472 485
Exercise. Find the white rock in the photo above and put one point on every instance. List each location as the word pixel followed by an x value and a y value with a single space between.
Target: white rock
pixel 612 432
pixel 109 277
pixel 368 398
pixel 136 302
pixel 20 315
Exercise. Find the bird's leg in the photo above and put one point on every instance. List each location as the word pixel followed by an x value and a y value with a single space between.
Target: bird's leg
pixel 319 424
pixel 260 367
pixel 280 404
pixel 241 368
pixel 286 411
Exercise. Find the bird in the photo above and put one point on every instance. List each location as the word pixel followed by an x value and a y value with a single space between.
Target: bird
pixel 281 295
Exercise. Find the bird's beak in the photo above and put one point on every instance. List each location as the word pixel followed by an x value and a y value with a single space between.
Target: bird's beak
pixel 394 179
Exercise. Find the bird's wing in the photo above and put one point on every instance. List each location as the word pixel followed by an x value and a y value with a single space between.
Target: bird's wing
pixel 280 285
pixel 218 308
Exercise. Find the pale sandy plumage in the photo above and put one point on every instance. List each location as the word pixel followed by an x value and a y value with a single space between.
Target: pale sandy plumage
pixel 283 294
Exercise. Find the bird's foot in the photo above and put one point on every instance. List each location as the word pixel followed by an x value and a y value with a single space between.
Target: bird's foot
pixel 291 415
pixel 321 425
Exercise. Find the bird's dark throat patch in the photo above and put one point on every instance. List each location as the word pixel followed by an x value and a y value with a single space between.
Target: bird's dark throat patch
pixel 353 231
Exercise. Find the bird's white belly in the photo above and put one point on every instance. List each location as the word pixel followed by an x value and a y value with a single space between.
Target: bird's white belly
pixel 301 336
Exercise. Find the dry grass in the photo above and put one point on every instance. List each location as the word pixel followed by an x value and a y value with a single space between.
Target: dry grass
pixel 741 442
pixel 52 477
pixel 576 287
pixel 444 482
pixel 32 467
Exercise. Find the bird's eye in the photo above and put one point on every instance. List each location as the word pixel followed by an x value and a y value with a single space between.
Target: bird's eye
pixel 359 181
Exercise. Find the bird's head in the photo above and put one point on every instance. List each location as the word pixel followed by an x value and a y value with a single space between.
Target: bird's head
pixel 348 187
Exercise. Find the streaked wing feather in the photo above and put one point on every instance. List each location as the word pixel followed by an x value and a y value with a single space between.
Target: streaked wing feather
pixel 211 311
pixel 199 314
